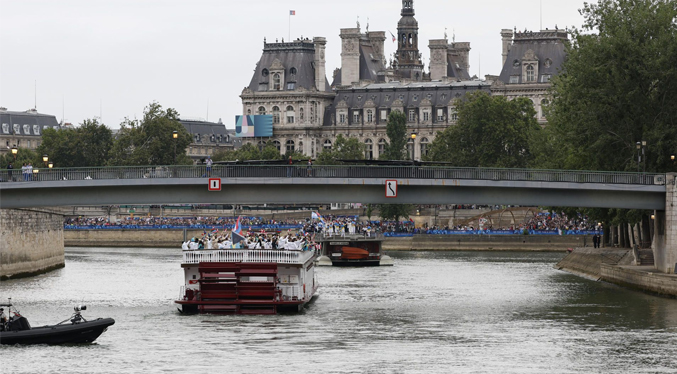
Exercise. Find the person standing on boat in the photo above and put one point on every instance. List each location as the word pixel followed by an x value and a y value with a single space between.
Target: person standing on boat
pixel 3 319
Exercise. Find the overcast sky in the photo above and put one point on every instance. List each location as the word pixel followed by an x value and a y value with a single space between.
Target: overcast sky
pixel 112 58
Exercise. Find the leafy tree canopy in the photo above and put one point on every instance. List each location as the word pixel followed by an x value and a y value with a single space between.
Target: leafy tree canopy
pixel 491 132
pixel 618 87
pixel 24 155
pixel 87 145
pixel 149 141
pixel 396 130
pixel 249 152
pixel 393 212
pixel 342 149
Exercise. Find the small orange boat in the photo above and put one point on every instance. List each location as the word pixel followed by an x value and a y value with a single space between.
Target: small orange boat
pixel 352 253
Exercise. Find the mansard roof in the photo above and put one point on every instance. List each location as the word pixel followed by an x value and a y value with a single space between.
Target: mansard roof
pixel 548 48
pixel 410 95
pixel 31 118
pixel 456 68
pixel 370 66
pixel 299 55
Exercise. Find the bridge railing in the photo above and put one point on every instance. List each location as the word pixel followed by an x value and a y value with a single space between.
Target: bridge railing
pixel 342 171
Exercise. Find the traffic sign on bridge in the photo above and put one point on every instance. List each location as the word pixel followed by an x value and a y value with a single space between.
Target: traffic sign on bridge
pixel 214 184
pixel 391 188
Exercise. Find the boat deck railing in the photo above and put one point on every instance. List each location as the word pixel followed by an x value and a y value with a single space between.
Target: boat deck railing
pixel 344 236
pixel 244 255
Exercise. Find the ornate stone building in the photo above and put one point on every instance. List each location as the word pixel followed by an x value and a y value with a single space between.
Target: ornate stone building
pixel 208 138
pixel 308 114
pixel 530 60
pixel 23 129
pixel 290 84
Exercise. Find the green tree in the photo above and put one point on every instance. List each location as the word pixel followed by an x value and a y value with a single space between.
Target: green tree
pixel 393 212
pixel 86 145
pixel 619 87
pixel 249 152
pixel 150 141
pixel 24 155
pixel 492 131
pixel 396 130
pixel 342 149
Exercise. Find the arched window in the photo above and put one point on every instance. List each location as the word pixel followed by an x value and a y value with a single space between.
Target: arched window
pixel 544 105
pixel 261 111
pixel 276 115
pixel 290 114
pixel 369 149
pixel 530 73
pixel 276 81
pixel 370 116
pixel 277 145
pixel 327 145
pixel 381 146
pixel 290 146
pixel 249 112
pixel 424 147
pixel 292 71
pixel 264 72
pixel 301 114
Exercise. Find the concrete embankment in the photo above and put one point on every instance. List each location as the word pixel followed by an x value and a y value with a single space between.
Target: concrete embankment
pixel 31 242
pixel 485 242
pixel 617 266
pixel 173 238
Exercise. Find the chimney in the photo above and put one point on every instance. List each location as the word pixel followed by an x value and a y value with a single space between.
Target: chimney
pixel 350 56
pixel 506 38
pixel 438 58
pixel 320 75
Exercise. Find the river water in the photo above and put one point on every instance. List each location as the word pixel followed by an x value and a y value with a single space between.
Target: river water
pixel 433 312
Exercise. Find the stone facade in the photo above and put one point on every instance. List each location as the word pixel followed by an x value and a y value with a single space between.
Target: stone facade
pixel 530 60
pixel 32 242
pixel 23 129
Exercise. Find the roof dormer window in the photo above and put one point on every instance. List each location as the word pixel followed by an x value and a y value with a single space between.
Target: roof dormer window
pixel 276 82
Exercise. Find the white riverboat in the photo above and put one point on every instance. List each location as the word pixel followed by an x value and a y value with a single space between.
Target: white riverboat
pixel 247 281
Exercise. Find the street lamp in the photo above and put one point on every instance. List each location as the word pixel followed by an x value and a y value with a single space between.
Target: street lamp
pixel 175 136
pixel 35 174
pixel 644 155
pixel 50 165
pixel 639 146
pixel 14 152
pixel 413 146
pixel 45 158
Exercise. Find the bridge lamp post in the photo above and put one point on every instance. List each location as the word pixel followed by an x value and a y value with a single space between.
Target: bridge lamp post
pixel 175 136
pixel 15 150
pixel 35 174
pixel 639 146
pixel 45 159
pixel 644 155
pixel 413 147
pixel 50 165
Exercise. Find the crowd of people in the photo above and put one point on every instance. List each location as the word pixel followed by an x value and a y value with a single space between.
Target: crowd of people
pixel 300 241
pixel 338 225
pixel 174 222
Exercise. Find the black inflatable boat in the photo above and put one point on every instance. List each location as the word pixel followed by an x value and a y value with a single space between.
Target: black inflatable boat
pixel 17 330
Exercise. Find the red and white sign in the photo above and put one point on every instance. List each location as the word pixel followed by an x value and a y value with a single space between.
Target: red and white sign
pixel 214 184
pixel 391 188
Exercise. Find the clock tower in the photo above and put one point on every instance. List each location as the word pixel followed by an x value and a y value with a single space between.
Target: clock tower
pixel 408 57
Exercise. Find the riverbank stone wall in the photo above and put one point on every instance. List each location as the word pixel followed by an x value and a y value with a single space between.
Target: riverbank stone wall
pixel 31 243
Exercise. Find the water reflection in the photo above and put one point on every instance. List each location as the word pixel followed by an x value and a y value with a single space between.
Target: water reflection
pixel 433 312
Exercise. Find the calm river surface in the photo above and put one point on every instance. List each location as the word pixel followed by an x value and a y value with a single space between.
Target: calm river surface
pixel 449 312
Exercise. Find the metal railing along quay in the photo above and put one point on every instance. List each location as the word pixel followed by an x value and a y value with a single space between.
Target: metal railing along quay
pixel 342 171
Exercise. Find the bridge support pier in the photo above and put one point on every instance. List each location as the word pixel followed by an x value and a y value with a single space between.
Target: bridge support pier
pixel 665 229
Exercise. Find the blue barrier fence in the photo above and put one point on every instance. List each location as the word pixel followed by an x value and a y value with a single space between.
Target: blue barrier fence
pixel 491 232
